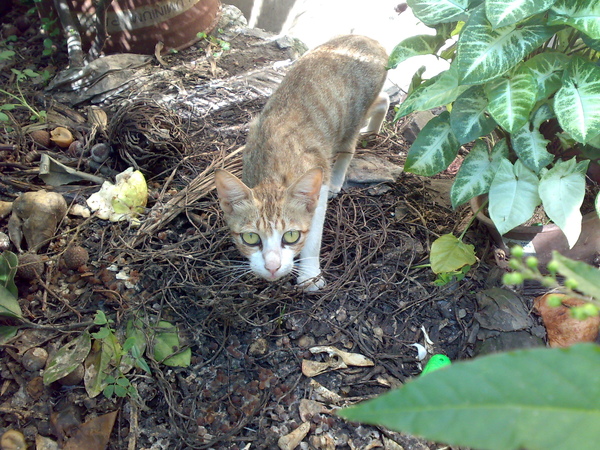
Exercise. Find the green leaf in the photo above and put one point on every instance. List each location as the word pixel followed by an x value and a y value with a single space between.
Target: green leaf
pixel 8 107
pixel 109 390
pixel 584 274
pixel 468 117
pixel 562 189
pixel 513 195
pixel 102 333
pixel 592 43
pixel 9 306
pixel 511 100
pixel 414 46
pixel 97 370
pixel 6 54
pixel 120 391
pixel 135 344
pixel 507 12
pixel 68 358
pixel 7 332
pixel 434 149
pixel 577 102
pixel 583 15
pixel 441 89
pixel 530 146
pixel 167 347
pixel 477 172
pixel 485 53
pixel 448 253
pixel 100 318
pixel 8 268
pixel 4 117
pixel 433 12
pixel 123 381
pixel 540 398
pixel 31 73
pixel 547 69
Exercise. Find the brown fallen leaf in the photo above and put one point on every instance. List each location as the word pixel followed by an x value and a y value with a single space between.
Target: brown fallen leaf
pixel 563 329
pixel 292 440
pixel 93 434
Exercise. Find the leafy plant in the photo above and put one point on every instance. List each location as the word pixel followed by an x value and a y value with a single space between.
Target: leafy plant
pixel 523 83
pixel 536 398
pixel 109 355
pixel 21 75
pixel 214 41
pixel 579 277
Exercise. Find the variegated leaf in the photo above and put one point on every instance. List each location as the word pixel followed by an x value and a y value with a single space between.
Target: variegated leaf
pixel 511 100
pixel 530 146
pixel 513 195
pixel 581 14
pixel 562 189
pixel 507 12
pixel 414 46
pixel 477 172
pixel 440 90
pixel 433 12
pixel 485 53
pixel 577 102
pixel 547 69
pixel 434 149
pixel 468 117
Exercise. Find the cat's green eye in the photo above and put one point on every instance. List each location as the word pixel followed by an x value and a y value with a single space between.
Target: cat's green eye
pixel 251 238
pixel 291 237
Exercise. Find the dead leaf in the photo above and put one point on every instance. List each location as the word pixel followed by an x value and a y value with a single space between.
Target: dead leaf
pixel 324 394
pixel 309 408
pixel 351 359
pixel 292 440
pixel 93 434
pixel 563 329
pixel 313 368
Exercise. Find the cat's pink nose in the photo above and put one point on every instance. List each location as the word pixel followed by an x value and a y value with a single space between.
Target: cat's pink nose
pixel 272 267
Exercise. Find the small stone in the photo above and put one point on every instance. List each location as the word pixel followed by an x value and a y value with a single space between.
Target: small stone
pixel 31 266
pixel 4 242
pixel 75 257
pixel 13 440
pixel 34 359
pixel 258 348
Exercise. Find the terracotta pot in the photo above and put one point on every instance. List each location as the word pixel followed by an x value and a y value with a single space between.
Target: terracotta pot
pixel 135 26
pixel 541 240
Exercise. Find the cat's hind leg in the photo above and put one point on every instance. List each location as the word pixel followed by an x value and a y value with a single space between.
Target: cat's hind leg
pixel 376 114
pixel 309 266
pixel 340 167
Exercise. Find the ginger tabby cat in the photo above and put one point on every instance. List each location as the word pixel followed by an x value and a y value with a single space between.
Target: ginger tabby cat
pixel 297 154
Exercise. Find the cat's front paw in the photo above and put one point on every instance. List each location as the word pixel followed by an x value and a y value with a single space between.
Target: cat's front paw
pixel 311 283
pixel 333 192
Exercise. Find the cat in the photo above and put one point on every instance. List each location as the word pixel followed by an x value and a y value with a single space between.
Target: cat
pixel 277 210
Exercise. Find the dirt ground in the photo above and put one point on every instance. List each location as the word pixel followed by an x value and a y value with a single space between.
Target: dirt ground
pixel 245 386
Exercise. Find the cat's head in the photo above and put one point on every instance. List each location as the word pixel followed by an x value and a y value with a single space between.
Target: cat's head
pixel 269 223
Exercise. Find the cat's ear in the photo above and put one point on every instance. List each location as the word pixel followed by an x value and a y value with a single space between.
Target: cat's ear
pixel 307 188
pixel 231 190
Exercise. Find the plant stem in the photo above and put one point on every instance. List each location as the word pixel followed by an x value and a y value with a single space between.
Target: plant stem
pixel 23 102
pixel 460 238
